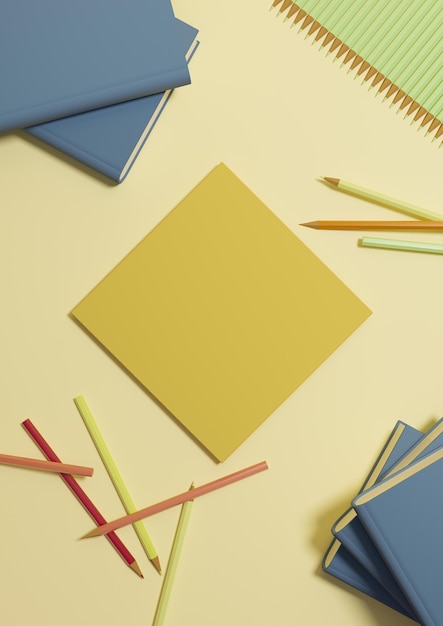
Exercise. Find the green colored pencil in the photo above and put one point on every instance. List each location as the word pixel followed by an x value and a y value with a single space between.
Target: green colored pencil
pixel 172 563
pixel 395 244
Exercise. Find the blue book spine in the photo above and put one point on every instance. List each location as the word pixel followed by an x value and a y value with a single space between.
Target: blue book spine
pixel 340 564
pixel 109 139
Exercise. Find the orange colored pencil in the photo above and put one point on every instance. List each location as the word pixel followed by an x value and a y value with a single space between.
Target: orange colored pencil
pixel 49 466
pixel 374 225
pixel 191 494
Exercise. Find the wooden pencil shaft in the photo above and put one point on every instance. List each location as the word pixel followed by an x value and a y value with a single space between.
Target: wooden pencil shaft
pixel 178 499
pixel 387 201
pixel 114 474
pixel 50 466
pixel 171 568
pixel 375 225
pixel 409 246
pixel 81 496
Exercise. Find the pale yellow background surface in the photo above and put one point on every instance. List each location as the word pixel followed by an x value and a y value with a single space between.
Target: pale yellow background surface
pixel 279 114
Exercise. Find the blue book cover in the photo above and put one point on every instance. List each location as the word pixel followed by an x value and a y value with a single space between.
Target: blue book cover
pixel 348 529
pixel 403 515
pixel 109 139
pixel 340 564
pixel 61 57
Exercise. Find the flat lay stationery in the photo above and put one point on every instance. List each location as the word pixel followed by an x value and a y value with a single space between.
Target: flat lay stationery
pixel 236 359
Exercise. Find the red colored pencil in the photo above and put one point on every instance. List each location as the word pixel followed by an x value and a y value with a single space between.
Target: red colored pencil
pixel 81 496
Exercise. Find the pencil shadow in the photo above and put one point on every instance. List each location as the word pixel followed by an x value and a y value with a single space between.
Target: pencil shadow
pixel 141 386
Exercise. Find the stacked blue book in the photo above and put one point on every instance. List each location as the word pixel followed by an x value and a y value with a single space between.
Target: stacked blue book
pixel 91 77
pixel 388 544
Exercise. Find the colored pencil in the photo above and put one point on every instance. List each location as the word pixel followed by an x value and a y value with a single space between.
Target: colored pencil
pixel 387 201
pixel 81 496
pixel 116 479
pixel 171 567
pixel 50 466
pixel 176 500
pixel 394 244
pixel 374 225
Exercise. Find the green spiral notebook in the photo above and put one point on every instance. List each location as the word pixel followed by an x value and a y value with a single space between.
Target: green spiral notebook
pixel 395 46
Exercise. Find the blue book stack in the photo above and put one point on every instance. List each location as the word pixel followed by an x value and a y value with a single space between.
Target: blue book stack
pixel 352 557
pixel 90 78
pixel 403 516
pixel 388 544
pixel 109 139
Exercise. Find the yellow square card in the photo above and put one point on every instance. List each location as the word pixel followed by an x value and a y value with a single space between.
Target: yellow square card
pixel 221 312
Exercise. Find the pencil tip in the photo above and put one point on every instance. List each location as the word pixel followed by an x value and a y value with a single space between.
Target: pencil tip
pixel 333 181
pixel 156 563
pixel 134 566
pixel 309 224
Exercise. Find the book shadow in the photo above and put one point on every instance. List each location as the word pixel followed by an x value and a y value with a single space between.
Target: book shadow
pixel 82 167
pixel 321 539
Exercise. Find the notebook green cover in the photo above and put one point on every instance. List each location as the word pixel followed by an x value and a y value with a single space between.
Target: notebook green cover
pixel 394 45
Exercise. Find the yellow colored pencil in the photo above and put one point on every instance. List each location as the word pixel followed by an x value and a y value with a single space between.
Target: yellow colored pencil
pixel 379 198
pixel 171 568
pixel 117 480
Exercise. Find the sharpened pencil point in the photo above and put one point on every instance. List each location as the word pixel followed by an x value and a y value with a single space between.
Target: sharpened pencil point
pixel 134 566
pixel 156 563
pixel 333 181
pixel 310 224
pixel 92 533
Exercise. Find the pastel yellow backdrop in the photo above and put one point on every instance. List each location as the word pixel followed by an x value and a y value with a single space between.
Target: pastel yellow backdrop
pixel 280 114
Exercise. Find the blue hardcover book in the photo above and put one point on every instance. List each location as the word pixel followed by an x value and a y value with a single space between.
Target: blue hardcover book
pixel 403 515
pixel 340 564
pixel 61 57
pixel 110 138
pixel 348 529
